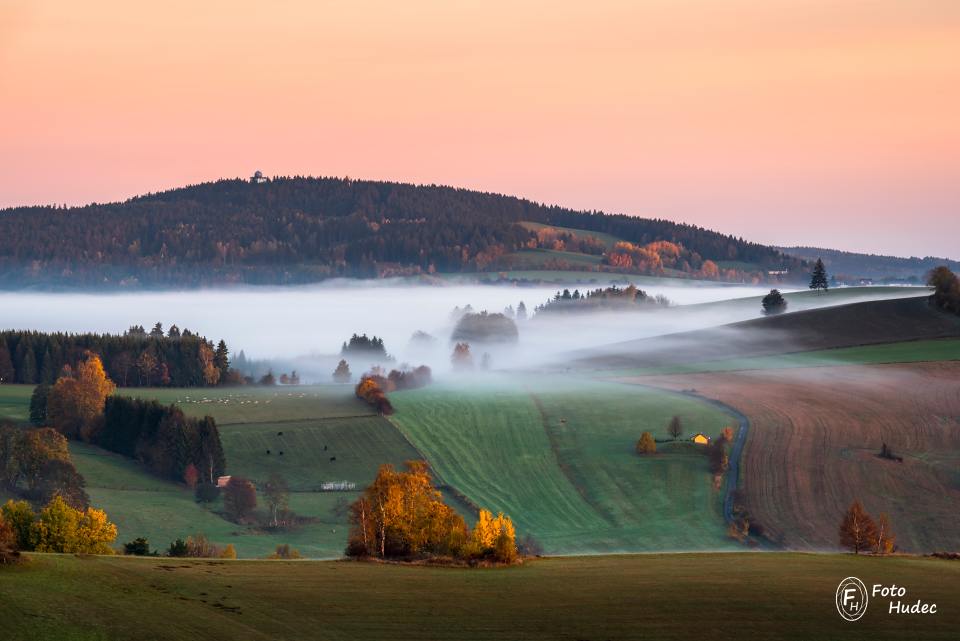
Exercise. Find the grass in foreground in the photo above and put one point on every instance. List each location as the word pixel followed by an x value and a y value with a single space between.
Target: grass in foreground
pixel 685 596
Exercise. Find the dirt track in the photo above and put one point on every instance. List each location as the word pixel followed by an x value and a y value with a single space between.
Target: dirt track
pixel 813 443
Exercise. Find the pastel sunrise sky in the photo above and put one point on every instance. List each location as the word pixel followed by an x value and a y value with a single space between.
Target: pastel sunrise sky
pixel 831 123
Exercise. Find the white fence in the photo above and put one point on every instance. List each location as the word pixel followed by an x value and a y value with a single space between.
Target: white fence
pixel 337 486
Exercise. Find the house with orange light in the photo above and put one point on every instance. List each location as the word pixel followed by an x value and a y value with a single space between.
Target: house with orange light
pixel 700 439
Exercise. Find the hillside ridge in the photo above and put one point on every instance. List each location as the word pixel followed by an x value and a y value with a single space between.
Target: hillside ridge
pixel 291 230
pixel 848 325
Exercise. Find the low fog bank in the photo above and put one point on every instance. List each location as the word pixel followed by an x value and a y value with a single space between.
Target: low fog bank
pixel 304 327
pixel 859 323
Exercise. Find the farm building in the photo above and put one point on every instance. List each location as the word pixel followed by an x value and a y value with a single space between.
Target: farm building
pixel 700 438
pixel 223 480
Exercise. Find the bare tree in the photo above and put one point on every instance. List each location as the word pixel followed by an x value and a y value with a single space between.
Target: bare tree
pixel 675 428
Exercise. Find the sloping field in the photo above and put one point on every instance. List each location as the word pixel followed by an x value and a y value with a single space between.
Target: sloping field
pixel 558 457
pixel 813 441
pixel 856 324
pixel 680 596
pixel 538 258
pixel 314 451
pixel 944 349
pixel 259 404
pixel 607 239
pixel 141 504
pixel 308 453
pixel 806 299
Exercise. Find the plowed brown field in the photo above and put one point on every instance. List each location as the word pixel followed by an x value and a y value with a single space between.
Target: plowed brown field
pixel 813 441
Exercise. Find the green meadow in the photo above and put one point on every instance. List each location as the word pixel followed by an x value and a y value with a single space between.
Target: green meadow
pixel 727 596
pixel 558 457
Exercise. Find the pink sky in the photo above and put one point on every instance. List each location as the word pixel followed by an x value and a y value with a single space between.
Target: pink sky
pixel 803 122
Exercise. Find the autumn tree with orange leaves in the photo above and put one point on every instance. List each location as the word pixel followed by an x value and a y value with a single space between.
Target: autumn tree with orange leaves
pixel 858 531
pixel 402 515
pixel 77 398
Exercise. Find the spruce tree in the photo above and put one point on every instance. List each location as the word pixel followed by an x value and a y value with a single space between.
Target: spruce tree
pixel 818 278
pixel 521 312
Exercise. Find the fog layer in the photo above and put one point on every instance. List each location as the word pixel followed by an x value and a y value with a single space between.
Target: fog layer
pixel 291 322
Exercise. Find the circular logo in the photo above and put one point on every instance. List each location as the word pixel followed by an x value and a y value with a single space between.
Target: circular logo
pixel 852 598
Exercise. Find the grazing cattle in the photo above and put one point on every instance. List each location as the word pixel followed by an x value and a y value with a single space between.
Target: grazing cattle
pixel 268 451
pixel 333 458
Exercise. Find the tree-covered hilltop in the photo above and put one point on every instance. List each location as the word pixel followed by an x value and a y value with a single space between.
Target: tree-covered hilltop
pixel 613 298
pixel 852 266
pixel 301 229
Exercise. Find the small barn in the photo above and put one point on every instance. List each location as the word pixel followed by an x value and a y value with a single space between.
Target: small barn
pixel 222 481
pixel 700 439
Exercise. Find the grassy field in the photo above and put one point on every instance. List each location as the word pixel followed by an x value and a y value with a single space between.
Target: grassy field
pixel 684 596
pixel 15 402
pixel 558 457
pixel 310 425
pixel 231 405
pixel 947 349
pixel 141 504
pixel 807 299
pixel 607 239
pixel 304 452
pixel 537 258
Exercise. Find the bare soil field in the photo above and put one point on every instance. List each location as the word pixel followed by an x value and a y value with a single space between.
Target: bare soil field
pixel 813 444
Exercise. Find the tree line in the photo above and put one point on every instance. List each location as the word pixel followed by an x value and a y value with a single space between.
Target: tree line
pixel 136 358
pixel 601 299
pixel 302 229
pixel 162 437
pixel 81 405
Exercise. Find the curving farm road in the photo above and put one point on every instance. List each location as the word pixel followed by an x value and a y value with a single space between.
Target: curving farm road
pixel 733 471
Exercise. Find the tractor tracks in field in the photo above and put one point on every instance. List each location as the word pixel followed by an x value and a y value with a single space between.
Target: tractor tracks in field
pixel 601 511
pixel 439 482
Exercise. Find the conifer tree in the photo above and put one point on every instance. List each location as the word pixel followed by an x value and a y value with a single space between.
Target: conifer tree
pixel 818 278
pixel 521 312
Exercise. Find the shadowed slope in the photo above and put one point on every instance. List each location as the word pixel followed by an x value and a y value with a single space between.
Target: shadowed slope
pixel 867 323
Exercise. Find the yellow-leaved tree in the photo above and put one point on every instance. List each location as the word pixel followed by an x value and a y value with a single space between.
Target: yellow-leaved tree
pixel 401 514
pixel 61 528
pixel 495 536
pixel 77 398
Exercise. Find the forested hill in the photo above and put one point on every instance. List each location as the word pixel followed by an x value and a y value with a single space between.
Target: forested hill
pixel 296 230
pixel 851 266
